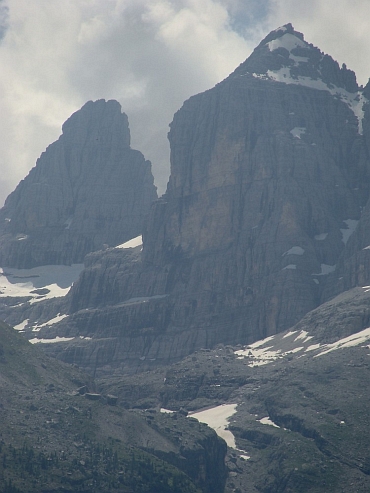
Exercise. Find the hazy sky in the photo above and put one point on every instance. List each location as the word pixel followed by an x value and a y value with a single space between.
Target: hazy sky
pixel 150 55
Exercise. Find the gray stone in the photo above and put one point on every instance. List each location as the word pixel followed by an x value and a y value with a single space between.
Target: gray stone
pixel 264 175
pixel 88 190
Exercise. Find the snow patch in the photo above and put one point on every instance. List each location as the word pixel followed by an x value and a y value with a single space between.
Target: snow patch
pixel 267 421
pixel 351 226
pixel 261 342
pixel 290 267
pixel 287 41
pixel 22 325
pixel 354 100
pixel 290 333
pixel 325 270
pixel 260 76
pixel 132 243
pixel 217 418
pixel 52 321
pixel 263 356
pixel 313 347
pixel 321 236
pixel 297 132
pixel 259 357
pixel 296 250
pixel 39 283
pixel 50 341
pixel 302 335
pixel 297 349
pixel 280 29
pixel 21 237
pixel 68 223
pixel 350 341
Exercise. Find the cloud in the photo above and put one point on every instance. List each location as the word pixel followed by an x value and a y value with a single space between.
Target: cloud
pixel 3 18
pixel 150 55
pixel 248 19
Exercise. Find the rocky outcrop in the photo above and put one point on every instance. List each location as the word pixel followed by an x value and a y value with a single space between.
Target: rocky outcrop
pixel 57 432
pixel 88 190
pixel 301 420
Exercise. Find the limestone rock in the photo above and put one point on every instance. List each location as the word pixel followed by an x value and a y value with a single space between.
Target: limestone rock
pixel 269 177
pixel 353 266
pixel 88 190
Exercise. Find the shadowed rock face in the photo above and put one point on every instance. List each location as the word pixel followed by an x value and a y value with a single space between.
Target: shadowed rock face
pixel 87 189
pixel 269 175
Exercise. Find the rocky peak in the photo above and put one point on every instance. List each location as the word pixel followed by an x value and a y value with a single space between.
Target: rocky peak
pixel 284 56
pixel 268 181
pixel 87 190
pixel 91 122
pixel 281 32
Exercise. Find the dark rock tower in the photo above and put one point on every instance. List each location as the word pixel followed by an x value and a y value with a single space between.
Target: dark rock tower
pixel 87 190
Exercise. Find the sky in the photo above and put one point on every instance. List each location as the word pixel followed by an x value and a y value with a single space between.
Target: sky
pixel 150 55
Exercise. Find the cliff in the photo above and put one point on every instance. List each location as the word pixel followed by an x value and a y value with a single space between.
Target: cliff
pixel 88 190
pixel 265 219
pixel 269 178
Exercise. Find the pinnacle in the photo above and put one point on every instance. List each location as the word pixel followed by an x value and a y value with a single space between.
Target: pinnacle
pixel 284 56
pixel 279 33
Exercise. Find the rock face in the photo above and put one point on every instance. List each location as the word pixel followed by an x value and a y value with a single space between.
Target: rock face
pixel 269 174
pixel 353 267
pixel 269 178
pixel 266 218
pixel 302 417
pixel 87 190
pixel 57 431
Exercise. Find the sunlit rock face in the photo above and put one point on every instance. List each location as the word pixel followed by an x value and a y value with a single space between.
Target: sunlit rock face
pixel 269 178
pixel 87 190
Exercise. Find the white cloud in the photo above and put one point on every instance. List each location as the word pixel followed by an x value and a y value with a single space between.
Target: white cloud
pixel 150 55
pixel 3 18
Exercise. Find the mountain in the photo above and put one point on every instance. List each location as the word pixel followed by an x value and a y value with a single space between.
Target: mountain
pixel 58 434
pixel 244 305
pixel 295 408
pixel 88 190
pixel 269 181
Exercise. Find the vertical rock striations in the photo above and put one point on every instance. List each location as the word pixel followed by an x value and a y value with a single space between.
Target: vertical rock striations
pixel 88 189
pixel 270 171
pixel 269 175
